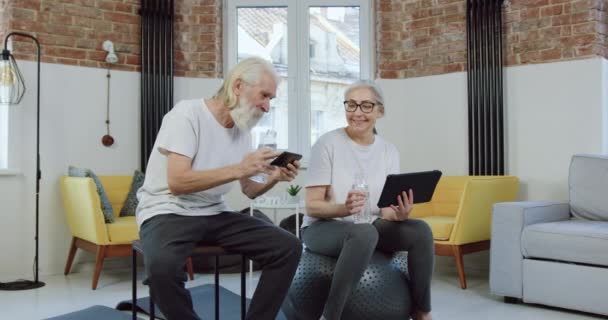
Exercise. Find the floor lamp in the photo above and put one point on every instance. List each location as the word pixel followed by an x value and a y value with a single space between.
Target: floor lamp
pixel 12 89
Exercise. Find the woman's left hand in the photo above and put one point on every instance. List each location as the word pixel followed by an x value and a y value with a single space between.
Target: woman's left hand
pixel 405 205
pixel 285 173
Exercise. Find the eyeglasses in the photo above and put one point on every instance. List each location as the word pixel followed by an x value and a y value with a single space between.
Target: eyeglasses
pixel 366 106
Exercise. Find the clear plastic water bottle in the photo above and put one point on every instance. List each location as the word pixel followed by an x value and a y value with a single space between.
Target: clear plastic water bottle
pixel 267 140
pixel 360 184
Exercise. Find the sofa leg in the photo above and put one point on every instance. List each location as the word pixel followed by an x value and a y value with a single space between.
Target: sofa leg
pixel 512 300
pixel 71 254
pixel 101 254
pixel 460 266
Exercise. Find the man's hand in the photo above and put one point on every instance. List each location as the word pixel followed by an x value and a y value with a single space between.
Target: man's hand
pixel 285 174
pixel 256 162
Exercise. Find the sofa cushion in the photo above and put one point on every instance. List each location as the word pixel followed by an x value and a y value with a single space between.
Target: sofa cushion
pixel 441 226
pixel 106 206
pixel 128 209
pixel 123 230
pixel 581 241
pixel 587 184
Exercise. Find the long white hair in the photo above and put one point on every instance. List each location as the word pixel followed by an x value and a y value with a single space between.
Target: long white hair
pixel 249 70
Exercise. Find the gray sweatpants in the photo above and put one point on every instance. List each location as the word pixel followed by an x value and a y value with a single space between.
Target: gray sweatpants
pixel 354 244
pixel 169 239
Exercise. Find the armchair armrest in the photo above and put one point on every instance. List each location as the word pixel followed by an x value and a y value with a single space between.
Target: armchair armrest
pixel 508 222
pixel 83 209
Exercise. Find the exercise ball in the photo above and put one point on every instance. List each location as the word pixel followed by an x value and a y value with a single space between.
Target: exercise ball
pixel 382 292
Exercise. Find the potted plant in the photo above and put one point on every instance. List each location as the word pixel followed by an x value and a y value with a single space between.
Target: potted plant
pixel 293 193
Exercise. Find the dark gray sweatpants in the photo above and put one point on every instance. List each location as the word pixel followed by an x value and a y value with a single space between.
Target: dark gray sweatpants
pixel 354 244
pixel 168 240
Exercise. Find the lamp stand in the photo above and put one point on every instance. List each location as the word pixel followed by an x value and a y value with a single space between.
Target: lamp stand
pixel 28 284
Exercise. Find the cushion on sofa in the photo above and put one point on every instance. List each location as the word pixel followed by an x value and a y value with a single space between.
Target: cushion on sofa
pixel 588 185
pixel 441 226
pixel 130 205
pixel 106 206
pixel 581 241
pixel 123 230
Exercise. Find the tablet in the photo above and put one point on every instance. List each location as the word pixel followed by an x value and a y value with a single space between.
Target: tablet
pixel 422 184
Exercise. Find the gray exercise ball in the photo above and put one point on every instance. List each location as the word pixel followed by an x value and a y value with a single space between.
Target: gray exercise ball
pixel 382 292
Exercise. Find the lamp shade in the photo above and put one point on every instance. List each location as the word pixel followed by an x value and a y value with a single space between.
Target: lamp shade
pixel 12 86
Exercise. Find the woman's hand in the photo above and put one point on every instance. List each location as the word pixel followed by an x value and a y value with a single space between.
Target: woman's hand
pixel 354 202
pixel 405 204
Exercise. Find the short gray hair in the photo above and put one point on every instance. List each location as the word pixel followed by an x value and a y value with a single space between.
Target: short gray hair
pixel 249 70
pixel 366 84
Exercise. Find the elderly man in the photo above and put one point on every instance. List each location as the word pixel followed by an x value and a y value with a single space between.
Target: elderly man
pixel 202 148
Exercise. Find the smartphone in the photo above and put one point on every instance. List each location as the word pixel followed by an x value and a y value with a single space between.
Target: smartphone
pixel 285 158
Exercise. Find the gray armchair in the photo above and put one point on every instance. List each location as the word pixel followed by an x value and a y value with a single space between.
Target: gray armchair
pixel 556 253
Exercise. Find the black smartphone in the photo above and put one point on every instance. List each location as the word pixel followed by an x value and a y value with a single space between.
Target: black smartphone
pixel 285 158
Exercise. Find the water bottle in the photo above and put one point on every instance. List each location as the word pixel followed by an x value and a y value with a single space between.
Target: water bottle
pixel 267 140
pixel 360 184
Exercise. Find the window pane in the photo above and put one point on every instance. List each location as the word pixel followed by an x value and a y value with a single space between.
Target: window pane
pixel 263 32
pixel 335 62
pixel 3 136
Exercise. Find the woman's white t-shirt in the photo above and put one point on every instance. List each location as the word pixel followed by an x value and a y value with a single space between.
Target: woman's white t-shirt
pixel 190 129
pixel 335 160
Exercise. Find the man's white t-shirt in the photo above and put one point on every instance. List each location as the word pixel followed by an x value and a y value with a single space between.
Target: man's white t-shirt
pixel 190 129
pixel 335 159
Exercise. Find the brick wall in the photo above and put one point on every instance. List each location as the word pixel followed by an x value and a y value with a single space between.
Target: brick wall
pixel 425 37
pixel 553 30
pixel 413 37
pixel 72 32
pixel 4 7
pixel 198 38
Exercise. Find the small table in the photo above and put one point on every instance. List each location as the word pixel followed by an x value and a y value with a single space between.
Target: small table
pixel 275 207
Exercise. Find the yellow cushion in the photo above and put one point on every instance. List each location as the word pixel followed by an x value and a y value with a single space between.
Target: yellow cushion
pixel 441 226
pixel 123 230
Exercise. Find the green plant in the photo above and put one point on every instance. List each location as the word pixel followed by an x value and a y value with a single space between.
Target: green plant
pixel 293 190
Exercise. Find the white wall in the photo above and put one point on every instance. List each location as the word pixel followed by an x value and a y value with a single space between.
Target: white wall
pixel 72 113
pixel 604 85
pixel 553 111
pixel 72 122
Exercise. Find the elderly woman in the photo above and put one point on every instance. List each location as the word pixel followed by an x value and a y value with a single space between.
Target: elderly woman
pixel 329 227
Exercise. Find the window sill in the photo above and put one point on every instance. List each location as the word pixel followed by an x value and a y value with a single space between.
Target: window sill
pixel 10 172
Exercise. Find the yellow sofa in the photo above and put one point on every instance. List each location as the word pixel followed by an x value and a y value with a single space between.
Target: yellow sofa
pixel 85 219
pixel 460 212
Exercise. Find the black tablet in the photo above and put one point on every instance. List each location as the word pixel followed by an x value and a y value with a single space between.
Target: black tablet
pixel 422 184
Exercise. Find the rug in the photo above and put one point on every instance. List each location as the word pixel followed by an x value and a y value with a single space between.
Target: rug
pixel 94 313
pixel 203 303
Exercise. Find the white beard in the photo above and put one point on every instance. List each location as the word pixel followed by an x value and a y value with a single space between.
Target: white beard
pixel 245 115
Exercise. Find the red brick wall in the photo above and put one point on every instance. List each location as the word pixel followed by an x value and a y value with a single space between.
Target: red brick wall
pixel 425 37
pixel 198 38
pixel 414 37
pixel 72 32
pixel 554 30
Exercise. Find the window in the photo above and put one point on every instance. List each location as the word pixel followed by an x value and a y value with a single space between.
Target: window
pixel 318 47
pixel 4 136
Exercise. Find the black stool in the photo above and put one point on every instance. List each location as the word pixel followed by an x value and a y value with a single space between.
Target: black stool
pixel 200 249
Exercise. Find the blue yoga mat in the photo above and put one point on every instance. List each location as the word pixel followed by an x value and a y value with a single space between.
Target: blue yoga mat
pixel 94 313
pixel 203 303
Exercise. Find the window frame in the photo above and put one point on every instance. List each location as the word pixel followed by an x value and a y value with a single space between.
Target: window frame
pixel 299 94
